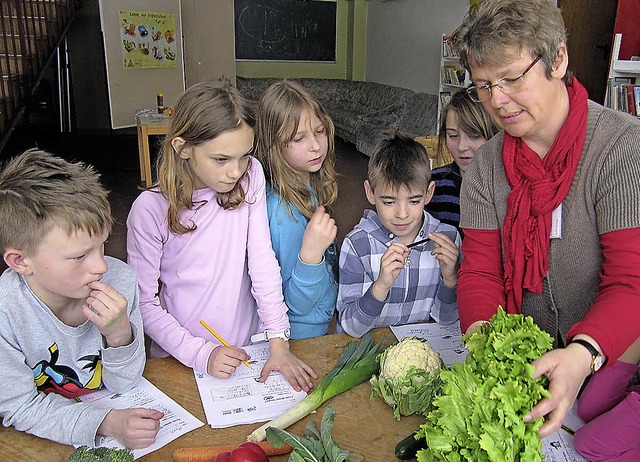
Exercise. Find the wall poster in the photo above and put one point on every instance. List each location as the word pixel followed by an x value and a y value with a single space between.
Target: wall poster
pixel 148 39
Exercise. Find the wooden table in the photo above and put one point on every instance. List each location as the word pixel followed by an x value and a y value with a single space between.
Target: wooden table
pixel 362 426
pixel 149 124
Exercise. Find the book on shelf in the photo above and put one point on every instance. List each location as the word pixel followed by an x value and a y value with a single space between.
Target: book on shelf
pixel 617 97
pixel 631 103
pixel 445 97
pixel 636 95
pixel 452 75
pixel 446 47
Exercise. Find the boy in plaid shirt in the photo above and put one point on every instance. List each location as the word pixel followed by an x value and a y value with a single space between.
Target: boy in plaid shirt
pixel 384 280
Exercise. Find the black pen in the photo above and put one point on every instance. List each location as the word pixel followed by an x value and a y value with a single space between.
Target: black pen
pixel 421 241
pixel 567 429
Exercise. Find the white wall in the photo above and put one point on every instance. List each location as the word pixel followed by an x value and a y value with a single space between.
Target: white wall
pixel 403 40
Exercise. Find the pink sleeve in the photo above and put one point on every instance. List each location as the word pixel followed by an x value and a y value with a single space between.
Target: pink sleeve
pixel 614 319
pixel 266 282
pixel 147 232
pixel 480 281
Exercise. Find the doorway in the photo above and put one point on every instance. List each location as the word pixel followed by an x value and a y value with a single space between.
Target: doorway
pixel 589 25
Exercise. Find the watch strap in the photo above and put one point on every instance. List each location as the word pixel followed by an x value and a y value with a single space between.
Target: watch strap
pixel 266 336
pixel 597 359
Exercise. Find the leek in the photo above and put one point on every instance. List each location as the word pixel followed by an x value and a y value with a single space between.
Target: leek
pixel 357 363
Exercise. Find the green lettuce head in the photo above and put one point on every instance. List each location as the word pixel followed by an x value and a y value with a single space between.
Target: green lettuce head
pixel 409 377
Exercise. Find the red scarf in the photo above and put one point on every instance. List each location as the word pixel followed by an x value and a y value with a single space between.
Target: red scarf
pixel 538 186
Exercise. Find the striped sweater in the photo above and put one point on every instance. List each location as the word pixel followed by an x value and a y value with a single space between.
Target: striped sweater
pixel 445 203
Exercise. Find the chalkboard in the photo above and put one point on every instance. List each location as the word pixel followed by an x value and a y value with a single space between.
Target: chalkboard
pixel 285 30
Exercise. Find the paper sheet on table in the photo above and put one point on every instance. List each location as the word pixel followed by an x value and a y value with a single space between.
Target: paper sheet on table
pixel 559 447
pixel 176 422
pixel 241 399
pixel 443 339
pixel 446 340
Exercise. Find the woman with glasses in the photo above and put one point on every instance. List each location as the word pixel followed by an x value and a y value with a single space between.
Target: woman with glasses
pixel 551 209
pixel 464 126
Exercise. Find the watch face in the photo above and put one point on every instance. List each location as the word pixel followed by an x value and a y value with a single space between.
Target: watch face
pixel 598 362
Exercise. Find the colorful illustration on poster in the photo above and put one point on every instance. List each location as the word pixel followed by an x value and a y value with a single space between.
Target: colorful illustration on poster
pixel 148 39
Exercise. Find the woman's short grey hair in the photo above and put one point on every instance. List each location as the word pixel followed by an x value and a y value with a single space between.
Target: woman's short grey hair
pixel 535 26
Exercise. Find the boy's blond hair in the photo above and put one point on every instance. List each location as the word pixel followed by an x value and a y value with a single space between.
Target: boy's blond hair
pixel 39 191
pixel 398 160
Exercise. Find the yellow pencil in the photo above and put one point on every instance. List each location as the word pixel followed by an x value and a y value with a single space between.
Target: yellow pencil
pixel 221 340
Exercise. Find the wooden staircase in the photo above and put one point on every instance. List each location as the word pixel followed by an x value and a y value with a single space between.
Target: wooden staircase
pixel 30 33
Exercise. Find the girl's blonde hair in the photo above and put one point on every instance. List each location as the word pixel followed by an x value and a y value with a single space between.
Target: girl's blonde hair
pixel 202 113
pixel 278 115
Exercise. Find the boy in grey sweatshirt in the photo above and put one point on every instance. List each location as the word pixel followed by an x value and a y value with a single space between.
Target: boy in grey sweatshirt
pixel 69 318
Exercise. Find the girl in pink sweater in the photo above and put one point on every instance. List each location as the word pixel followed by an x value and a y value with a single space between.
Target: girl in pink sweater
pixel 612 409
pixel 199 240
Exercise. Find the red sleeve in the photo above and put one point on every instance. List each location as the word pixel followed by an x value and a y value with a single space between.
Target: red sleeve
pixel 480 280
pixel 614 319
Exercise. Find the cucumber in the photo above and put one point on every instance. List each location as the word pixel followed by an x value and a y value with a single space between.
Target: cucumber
pixel 409 447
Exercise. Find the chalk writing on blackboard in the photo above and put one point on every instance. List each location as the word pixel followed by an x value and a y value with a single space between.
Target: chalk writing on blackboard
pixel 285 30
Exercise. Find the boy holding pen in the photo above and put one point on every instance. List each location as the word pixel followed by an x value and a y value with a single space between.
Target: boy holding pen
pixel 69 318
pixel 399 264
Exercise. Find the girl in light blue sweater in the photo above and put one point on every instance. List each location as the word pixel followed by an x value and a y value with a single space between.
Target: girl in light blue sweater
pixel 295 143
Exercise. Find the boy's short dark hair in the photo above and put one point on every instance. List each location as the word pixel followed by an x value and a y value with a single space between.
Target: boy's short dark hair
pixel 39 191
pixel 398 160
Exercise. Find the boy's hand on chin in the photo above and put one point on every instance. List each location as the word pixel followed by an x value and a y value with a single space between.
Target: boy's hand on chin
pixel 107 309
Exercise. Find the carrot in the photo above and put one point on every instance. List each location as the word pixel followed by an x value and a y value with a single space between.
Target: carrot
pixel 209 454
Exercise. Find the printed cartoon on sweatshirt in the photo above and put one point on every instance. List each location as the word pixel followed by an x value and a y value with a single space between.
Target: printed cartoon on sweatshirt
pixel 51 377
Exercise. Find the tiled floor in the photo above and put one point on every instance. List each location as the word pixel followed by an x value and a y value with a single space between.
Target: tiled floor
pixel 116 158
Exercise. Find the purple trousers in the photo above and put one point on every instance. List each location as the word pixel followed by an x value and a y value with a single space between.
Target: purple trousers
pixel 612 410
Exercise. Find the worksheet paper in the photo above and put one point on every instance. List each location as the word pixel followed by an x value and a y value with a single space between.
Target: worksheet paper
pixel 241 399
pixel 443 339
pixel 176 422
pixel 446 340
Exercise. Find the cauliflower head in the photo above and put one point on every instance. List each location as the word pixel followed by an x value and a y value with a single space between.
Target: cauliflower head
pixel 410 352
pixel 409 377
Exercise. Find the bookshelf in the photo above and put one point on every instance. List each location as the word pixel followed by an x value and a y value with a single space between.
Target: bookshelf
pixel 623 85
pixel 453 76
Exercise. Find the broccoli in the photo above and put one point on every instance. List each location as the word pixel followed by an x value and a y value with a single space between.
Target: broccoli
pixel 87 454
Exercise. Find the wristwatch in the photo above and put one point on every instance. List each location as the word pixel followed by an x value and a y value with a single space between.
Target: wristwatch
pixel 266 336
pixel 597 360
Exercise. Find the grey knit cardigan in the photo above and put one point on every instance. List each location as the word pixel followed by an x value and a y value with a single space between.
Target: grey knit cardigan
pixel 604 197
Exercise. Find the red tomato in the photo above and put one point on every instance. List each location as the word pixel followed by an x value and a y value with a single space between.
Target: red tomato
pixel 246 452
pixel 223 457
pixel 257 450
pixel 241 454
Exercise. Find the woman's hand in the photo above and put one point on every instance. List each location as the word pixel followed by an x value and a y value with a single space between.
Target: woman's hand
pixel 223 361
pixel 566 368
pixel 297 373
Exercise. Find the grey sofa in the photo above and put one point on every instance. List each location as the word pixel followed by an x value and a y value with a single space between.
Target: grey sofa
pixel 361 111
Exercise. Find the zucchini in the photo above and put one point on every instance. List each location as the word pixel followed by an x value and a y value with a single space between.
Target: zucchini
pixel 409 447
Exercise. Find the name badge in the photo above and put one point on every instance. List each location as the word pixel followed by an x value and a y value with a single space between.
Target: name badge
pixel 556 223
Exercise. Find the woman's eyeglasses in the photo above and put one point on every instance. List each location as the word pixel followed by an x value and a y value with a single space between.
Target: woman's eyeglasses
pixel 482 93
